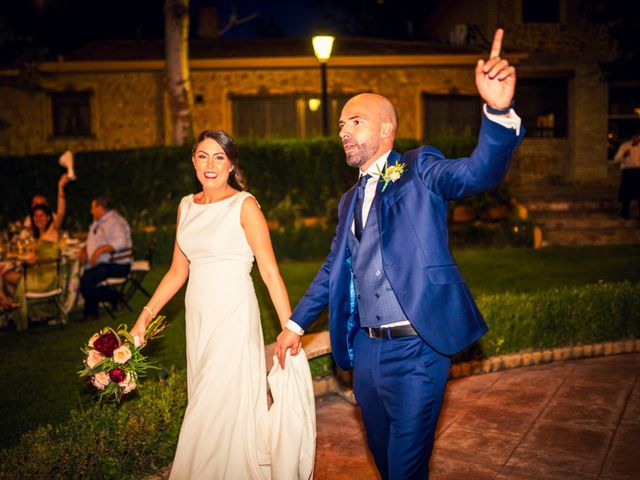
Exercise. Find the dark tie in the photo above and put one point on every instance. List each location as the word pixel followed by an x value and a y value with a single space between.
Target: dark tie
pixel 357 214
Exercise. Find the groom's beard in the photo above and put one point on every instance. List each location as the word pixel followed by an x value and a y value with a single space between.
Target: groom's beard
pixel 361 154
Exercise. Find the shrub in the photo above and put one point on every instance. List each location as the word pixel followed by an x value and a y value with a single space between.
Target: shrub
pixel 107 440
pixel 302 242
pixel 552 318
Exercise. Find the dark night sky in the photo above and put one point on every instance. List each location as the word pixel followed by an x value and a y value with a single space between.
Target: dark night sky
pixel 63 25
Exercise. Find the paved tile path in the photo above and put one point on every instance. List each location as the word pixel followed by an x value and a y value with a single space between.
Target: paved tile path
pixel 576 419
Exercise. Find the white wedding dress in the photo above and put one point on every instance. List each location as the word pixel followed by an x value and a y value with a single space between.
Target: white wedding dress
pixel 226 431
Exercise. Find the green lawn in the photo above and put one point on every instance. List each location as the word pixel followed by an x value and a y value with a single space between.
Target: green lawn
pixel 520 270
pixel 38 377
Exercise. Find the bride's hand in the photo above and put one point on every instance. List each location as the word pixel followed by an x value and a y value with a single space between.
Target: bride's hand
pixel 138 330
pixel 287 340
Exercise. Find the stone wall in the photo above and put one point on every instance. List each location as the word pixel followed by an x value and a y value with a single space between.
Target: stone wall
pixel 572 48
pixel 130 110
pixel 126 112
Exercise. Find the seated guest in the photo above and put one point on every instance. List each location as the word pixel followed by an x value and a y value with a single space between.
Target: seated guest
pixel 41 278
pixel 108 234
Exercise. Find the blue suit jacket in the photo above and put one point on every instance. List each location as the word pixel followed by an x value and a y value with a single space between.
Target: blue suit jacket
pixel 412 219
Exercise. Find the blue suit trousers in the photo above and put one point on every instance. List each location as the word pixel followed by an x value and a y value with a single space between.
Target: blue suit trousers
pixel 399 384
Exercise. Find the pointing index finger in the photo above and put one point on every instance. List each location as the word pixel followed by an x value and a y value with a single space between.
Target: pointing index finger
pixel 497 43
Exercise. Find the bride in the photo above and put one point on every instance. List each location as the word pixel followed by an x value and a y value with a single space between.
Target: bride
pixel 226 431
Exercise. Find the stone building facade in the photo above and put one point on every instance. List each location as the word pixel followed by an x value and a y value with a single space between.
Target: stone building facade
pixel 565 52
pixel 128 104
pixel 252 88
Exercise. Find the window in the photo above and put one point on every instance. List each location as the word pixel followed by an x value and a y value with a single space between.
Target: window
pixel 540 11
pixel 286 116
pixel 457 114
pixel 542 105
pixel 71 114
pixel 624 114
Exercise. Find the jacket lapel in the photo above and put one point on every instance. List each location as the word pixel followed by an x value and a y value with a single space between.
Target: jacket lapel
pixel 394 158
pixel 348 207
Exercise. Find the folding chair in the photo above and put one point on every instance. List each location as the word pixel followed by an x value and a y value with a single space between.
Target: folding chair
pixel 125 288
pixel 139 270
pixel 52 296
pixel 117 285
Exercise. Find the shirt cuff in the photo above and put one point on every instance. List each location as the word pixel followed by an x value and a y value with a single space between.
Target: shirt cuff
pixel 511 120
pixel 294 327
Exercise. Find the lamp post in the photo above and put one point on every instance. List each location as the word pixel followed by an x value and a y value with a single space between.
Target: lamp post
pixel 322 45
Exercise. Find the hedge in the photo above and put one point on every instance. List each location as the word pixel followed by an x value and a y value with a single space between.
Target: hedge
pixel 558 317
pixel 147 183
pixel 139 436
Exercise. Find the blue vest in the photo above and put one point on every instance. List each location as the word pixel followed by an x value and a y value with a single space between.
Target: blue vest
pixel 377 303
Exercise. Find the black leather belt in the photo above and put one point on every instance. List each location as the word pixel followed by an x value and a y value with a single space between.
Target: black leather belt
pixel 391 332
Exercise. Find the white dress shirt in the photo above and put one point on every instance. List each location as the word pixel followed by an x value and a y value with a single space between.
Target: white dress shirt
pixel 110 229
pixel 628 155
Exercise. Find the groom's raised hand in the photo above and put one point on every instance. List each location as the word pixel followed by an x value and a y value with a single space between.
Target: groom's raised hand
pixel 495 78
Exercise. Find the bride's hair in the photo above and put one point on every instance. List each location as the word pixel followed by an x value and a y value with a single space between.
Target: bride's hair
pixel 236 177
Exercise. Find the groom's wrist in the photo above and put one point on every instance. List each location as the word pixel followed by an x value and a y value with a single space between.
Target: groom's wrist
pixel 499 111
pixel 294 327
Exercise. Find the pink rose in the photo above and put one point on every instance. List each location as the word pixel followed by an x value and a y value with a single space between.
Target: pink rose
pixel 128 384
pixel 100 380
pixel 106 343
pixel 116 375
pixel 121 354
pixel 93 358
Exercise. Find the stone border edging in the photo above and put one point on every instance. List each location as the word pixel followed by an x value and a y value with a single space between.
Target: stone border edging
pixel 317 344
pixel 330 384
pixel 526 359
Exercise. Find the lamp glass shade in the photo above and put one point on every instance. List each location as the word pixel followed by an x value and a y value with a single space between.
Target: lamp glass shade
pixel 314 104
pixel 322 45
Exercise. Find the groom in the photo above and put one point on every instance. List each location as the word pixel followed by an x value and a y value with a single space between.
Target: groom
pixel 398 306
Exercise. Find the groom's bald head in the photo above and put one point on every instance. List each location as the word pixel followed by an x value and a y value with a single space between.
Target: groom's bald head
pixel 381 106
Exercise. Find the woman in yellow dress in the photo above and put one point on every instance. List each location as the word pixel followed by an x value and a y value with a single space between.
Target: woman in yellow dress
pixel 40 264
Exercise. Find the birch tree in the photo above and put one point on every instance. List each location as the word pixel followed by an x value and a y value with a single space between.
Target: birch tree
pixel 176 15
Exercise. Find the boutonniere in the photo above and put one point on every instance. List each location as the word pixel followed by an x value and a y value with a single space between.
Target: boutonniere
pixel 391 173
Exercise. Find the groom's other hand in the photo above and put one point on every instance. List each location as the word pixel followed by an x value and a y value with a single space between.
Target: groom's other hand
pixel 285 341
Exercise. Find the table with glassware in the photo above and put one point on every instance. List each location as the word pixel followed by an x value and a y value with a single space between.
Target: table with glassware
pixel 16 246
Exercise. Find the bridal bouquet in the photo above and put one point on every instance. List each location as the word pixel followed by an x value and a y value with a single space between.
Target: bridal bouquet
pixel 114 361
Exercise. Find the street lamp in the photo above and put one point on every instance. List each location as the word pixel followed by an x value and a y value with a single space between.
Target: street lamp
pixel 322 45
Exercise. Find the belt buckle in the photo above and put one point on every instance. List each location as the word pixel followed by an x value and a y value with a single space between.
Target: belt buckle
pixel 370 332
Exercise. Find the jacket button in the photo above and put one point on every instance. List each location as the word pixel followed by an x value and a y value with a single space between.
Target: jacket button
pixel 377 295
pixel 358 297
pixel 377 273
pixel 377 317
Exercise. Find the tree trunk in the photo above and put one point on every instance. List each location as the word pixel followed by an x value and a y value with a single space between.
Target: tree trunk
pixel 176 17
